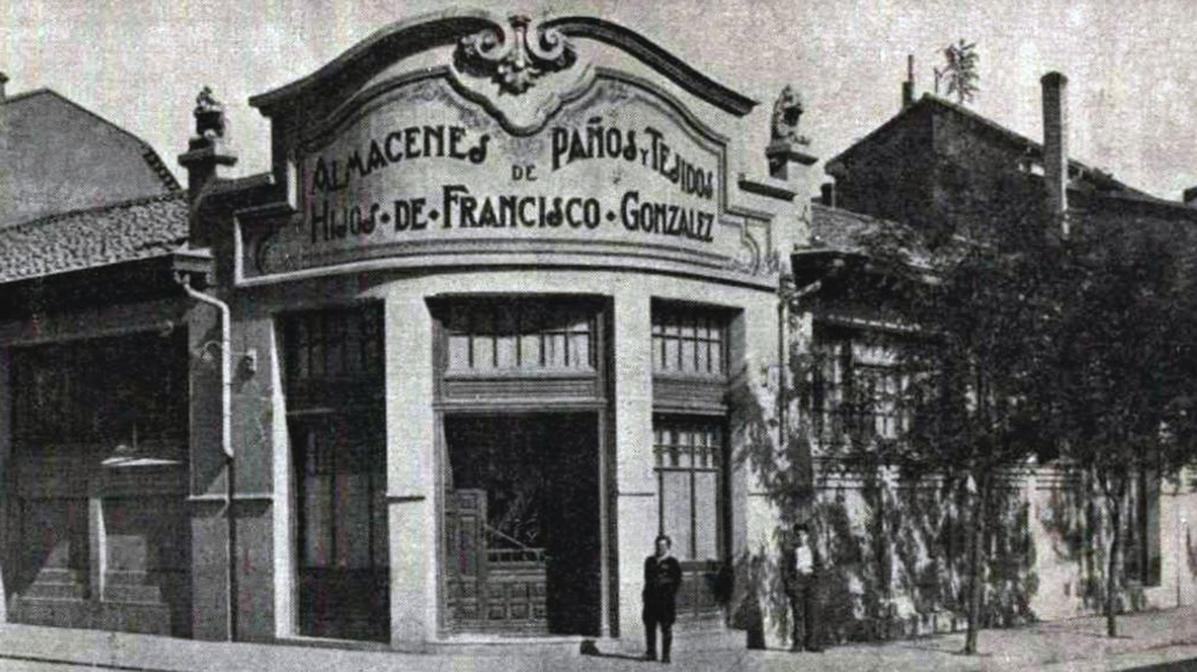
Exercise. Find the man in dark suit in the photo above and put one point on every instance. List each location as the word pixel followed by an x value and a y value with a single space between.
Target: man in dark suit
pixel 662 577
pixel 801 565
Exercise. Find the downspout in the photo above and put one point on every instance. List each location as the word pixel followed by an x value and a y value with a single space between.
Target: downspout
pixel 226 445
pixel 788 298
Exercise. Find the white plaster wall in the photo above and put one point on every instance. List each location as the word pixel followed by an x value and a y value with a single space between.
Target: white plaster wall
pixel 1061 574
pixel 635 483
pixel 1178 545
pixel 412 492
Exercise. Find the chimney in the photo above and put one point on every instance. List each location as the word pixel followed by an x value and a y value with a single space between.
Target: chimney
pixel 827 190
pixel 1190 197
pixel 208 150
pixel 3 81
pixel 1055 144
pixel 908 85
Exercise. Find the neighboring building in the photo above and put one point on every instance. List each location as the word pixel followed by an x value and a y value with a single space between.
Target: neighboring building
pixel 504 309
pixel 93 410
pixel 89 221
pixel 56 156
pixel 934 175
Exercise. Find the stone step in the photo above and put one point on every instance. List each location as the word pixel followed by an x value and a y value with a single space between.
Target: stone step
pixel 131 593
pixel 54 590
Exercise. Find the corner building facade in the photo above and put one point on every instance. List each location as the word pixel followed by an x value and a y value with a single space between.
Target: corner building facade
pixel 505 309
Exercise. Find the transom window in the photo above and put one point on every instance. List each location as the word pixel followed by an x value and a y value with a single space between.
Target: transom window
pixel 688 453
pixel 340 343
pixel 503 334
pixel 689 340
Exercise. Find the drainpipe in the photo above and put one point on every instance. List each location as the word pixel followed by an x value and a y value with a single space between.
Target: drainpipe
pixel 789 297
pixel 226 444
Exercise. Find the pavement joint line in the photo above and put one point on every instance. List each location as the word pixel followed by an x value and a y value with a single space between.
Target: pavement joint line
pixel 67 661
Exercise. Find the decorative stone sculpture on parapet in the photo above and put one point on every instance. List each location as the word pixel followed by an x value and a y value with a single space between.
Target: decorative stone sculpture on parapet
pixel 208 149
pixel 787 113
pixel 209 115
pixel 786 144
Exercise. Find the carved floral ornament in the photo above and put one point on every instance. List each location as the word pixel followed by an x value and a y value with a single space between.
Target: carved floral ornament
pixel 516 56
pixel 520 72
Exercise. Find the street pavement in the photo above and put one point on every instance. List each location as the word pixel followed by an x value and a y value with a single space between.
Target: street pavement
pixel 1164 641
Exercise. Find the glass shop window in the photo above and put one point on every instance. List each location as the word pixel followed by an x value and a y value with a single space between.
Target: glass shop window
pixel 689 341
pixel 688 453
pixel 102 391
pixel 496 335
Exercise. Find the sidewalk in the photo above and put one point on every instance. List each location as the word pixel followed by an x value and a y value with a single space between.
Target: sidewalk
pixel 1078 644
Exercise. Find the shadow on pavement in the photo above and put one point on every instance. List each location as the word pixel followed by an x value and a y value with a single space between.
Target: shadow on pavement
pixel 1175 666
pixel 590 649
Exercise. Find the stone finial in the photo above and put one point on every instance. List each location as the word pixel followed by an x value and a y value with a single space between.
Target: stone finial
pixel 208 150
pixel 787 113
pixel 210 122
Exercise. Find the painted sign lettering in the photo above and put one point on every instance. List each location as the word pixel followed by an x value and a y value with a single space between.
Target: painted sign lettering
pixel 616 170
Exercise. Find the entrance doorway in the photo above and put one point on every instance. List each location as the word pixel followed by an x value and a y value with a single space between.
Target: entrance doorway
pixel 522 523
pixel 343 568
pixel 336 418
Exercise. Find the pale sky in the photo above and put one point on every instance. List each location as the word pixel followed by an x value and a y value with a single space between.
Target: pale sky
pixel 1132 66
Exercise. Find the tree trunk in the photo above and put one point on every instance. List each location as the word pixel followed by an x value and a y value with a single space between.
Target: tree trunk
pixel 976 588
pixel 1112 565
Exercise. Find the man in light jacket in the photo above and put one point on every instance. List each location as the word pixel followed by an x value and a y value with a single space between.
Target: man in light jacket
pixel 802 565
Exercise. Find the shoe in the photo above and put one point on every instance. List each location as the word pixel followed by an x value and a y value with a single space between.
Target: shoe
pixel 796 649
pixel 815 650
pixel 665 660
pixel 651 655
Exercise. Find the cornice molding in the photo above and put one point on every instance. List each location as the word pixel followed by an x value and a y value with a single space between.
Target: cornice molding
pixel 449 27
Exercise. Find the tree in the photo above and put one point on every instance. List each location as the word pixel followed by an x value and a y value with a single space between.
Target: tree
pixel 982 339
pixel 984 348
pixel 960 70
pixel 1122 403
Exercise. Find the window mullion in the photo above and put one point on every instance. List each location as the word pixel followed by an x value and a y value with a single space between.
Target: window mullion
pixel 693 503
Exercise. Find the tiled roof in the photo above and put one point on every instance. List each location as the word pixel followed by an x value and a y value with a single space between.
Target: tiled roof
pixel 855 233
pixel 151 157
pixel 1098 179
pixel 97 161
pixel 131 230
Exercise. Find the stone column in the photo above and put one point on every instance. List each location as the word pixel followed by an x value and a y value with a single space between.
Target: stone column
pixel 286 608
pixel 636 486
pixel 411 478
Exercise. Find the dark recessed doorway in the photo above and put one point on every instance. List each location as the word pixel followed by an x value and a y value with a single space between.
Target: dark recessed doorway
pixel 522 523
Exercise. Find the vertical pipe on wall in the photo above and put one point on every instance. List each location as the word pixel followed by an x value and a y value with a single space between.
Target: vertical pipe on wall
pixel 7 492
pixel 226 445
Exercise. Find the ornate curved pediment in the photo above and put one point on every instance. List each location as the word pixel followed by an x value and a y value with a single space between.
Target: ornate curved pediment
pixel 520 71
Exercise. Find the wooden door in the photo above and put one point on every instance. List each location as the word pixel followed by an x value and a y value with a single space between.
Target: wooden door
pixel 465 555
